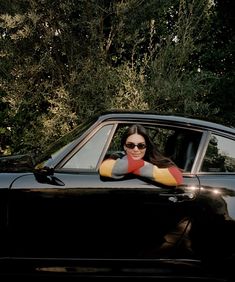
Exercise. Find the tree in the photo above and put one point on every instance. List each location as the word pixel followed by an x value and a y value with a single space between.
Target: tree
pixel 63 61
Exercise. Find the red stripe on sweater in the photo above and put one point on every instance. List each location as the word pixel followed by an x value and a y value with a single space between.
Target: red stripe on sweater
pixel 134 164
pixel 176 173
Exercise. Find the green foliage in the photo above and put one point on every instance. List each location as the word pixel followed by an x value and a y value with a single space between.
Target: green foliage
pixel 63 61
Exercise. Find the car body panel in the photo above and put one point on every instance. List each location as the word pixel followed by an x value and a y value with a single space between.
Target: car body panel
pixel 108 208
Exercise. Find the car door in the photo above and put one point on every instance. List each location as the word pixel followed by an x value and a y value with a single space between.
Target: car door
pixel 74 213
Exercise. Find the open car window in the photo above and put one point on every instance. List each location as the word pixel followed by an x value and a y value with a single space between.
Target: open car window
pixel 180 145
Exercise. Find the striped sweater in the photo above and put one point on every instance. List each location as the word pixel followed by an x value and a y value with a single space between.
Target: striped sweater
pixel 118 168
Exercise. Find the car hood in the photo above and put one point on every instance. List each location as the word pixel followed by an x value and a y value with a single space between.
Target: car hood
pixel 7 179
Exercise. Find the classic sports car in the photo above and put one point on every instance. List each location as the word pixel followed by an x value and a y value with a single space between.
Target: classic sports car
pixel 60 218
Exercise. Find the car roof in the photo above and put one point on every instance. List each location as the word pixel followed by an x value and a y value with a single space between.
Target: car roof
pixel 172 118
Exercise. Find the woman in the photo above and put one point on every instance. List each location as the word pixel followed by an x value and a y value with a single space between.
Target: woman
pixel 143 159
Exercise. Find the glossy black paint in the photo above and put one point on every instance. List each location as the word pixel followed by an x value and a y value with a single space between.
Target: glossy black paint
pixel 63 221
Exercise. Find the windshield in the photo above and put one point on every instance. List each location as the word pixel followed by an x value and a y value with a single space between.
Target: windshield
pixel 58 147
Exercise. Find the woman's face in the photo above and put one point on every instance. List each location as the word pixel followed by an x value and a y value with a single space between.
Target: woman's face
pixel 136 152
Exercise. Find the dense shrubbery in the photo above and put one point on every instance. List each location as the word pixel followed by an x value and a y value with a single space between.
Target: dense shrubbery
pixel 63 61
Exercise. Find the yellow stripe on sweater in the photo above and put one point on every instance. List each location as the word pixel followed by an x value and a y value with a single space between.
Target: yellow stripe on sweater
pixel 106 168
pixel 163 176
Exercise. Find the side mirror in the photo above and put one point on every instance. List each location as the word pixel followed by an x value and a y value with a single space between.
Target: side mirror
pixel 46 175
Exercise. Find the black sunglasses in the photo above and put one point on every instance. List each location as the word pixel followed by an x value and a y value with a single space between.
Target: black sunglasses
pixel 140 146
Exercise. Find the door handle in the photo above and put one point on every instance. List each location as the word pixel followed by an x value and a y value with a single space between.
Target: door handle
pixel 176 198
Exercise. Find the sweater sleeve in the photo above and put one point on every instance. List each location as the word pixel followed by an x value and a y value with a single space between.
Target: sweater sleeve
pixel 171 176
pixel 117 169
pixel 120 167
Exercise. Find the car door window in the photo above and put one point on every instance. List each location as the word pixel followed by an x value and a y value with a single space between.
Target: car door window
pixel 88 156
pixel 220 155
pixel 178 144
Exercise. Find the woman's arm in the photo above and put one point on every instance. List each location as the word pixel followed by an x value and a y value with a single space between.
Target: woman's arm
pixel 171 176
pixel 118 168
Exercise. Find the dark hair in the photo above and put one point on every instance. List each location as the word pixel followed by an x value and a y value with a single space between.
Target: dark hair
pixel 152 154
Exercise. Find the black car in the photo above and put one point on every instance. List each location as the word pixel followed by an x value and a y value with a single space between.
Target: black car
pixel 60 218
